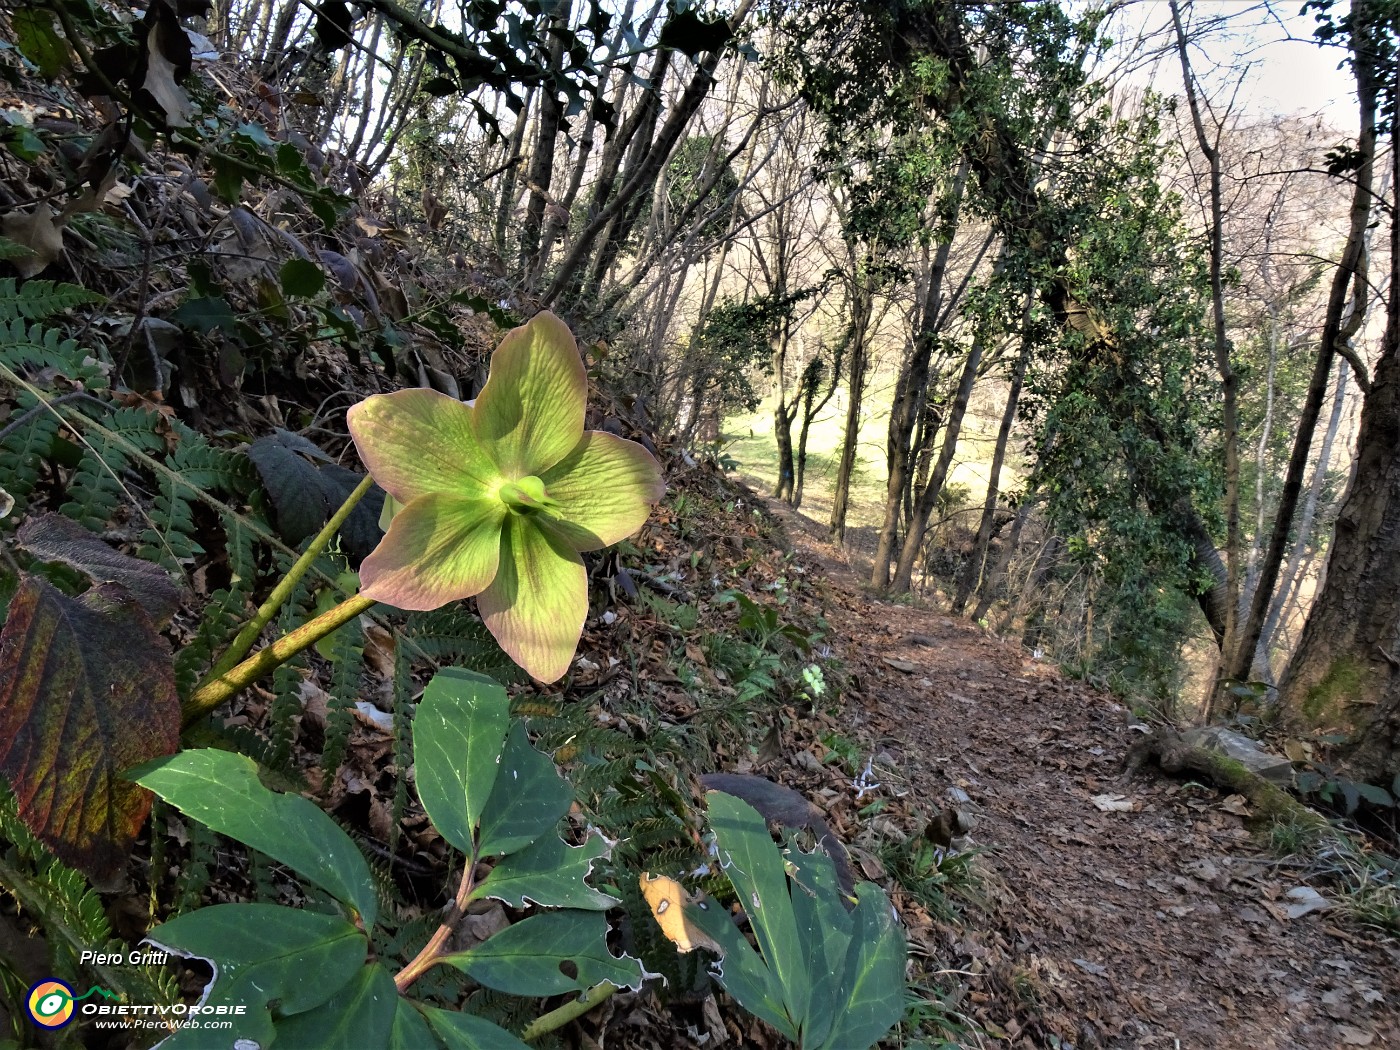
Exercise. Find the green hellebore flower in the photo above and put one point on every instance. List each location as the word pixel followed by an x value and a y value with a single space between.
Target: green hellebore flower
pixel 500 495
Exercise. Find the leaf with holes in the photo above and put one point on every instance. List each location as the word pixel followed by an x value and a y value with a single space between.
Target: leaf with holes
pixel 86 691
pixel 266 957
pixel 549 872
pixel 549 954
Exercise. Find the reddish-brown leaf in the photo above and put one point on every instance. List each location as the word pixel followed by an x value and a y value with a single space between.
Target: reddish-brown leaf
pixel 86 691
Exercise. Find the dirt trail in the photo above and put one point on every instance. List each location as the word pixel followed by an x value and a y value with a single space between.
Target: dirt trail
pixel 1165 926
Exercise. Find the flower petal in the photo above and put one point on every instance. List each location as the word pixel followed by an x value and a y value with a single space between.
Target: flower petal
pixel 537 603
pixel 604 488
pixel 419 441
pixel 438 549
pixel 530 412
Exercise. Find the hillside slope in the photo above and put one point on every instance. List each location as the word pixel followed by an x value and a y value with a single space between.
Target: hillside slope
pixel 1157 923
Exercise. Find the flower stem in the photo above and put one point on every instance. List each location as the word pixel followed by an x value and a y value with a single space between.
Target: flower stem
pixel 432 952
pixel 241 645
pixel 211 693
pixel 562 1015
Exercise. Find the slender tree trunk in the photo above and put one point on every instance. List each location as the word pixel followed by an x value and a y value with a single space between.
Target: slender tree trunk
pixel 928 496
pixel 862 303
pixel 1351 270
pixel 972 572
pixel 1229 381
pixel 541 170
pixel 910 392
pixel 1302 539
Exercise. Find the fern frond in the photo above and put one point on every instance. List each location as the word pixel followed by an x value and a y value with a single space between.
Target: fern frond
pixel 40 299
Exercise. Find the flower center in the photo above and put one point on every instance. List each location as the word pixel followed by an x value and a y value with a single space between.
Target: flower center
pixel 526 496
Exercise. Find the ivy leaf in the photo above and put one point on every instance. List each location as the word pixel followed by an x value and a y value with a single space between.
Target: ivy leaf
pixel 38 40
pixel 529 798
pixel 333 24
pixel 52 537
pixel 221 790
pixel 361 1013
pixel 529 957
pixel 689 34
pixel 263 954
pixel 457 736
pixel 86 691
pixel 301 277
pixel 551 873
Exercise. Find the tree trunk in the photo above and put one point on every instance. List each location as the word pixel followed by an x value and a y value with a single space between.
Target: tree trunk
pixel 1289 581
pixel 952 426
pixel 1351 271
pixel 1229 380
pixel 1346 669
pixel 910 392
pixel 972 572
pixel 862 305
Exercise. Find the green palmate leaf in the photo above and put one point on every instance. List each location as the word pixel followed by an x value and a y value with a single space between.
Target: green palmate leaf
pixel 527 801
pixel 52 537
pixel 530 412
pixel 529 957
pixel 604 488
pixel 418 442
pixel 755 868
pixel 301 277
pixel 870 999
pixel 362 1014
pixel 221 790
pixel 740 970
pixel 459 1031
pixel 551 873
pixel 538 601
pixel 438 549
pixel 458 733
pixel 263 955
pixel 86 691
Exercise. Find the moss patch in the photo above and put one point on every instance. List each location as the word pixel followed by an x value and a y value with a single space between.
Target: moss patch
pixel 1344 680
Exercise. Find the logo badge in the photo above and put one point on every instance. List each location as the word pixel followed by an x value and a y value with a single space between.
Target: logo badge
pixel 50 1004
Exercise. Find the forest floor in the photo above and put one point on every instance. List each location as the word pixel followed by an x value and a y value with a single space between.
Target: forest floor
pixel 1159 922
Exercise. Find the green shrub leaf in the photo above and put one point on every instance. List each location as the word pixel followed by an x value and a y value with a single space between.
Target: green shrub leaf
pixel 264 954
pixel 301 277
pixel 459 1031
pixel 741 970
pixel 551 873
pixel 754 866
pixel 870 999
pixel 457 736
pixel 221 789
pixel 361 1013
pixel 531 956
pixel 529 798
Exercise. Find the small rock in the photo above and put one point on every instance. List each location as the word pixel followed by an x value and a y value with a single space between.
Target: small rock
pixel 1242 749
pixel 808 761
pixel 901 665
